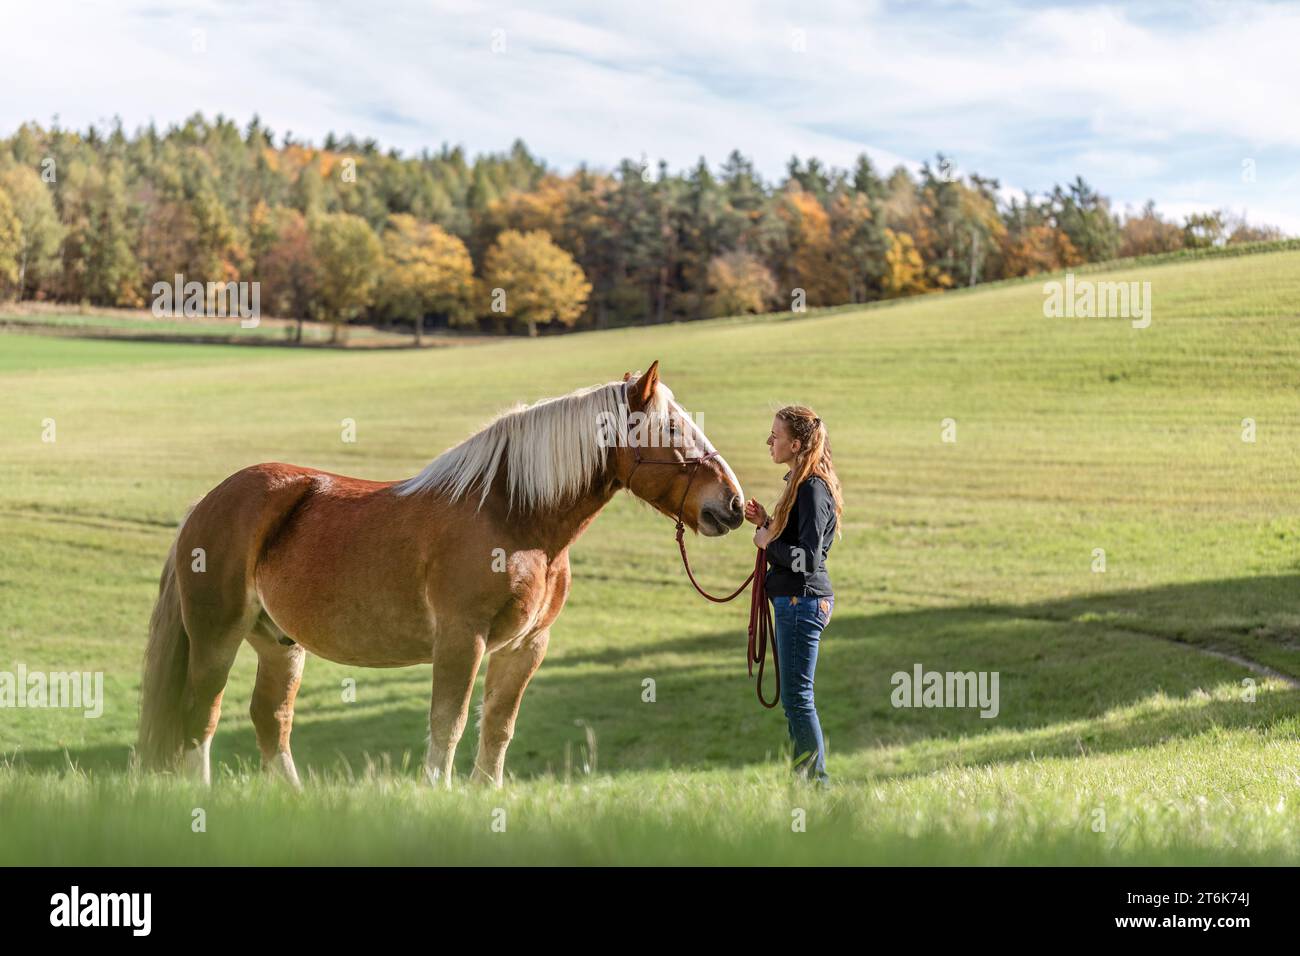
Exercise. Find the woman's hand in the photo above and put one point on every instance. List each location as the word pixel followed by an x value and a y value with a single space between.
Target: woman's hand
pixel 754 512
pixel 762 536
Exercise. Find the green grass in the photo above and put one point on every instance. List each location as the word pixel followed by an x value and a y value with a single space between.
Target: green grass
pixel 1072 435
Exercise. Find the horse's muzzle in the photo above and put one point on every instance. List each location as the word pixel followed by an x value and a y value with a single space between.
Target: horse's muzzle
pixel 716 520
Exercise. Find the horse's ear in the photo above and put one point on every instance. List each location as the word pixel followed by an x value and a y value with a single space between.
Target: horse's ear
pixel 627 376
pixel 644 388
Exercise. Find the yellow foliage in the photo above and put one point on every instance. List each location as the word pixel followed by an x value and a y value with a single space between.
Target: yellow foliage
pixel 542 208
pixel 811 265
pixel 11 239
pixel 739 284
pixel 533 280
pixel 426 269
pixel 905 272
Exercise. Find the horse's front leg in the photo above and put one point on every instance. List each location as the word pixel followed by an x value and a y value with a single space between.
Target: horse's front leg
pixel 509 671
pixel 456 656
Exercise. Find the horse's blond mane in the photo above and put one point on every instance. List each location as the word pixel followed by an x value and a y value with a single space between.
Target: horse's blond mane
pixel 552 450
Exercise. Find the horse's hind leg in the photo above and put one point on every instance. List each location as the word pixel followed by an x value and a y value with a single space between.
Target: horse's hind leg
pixel 210 658
pixel 279 673
pixel 229 530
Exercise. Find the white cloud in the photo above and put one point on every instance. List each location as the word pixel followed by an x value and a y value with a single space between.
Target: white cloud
pixel 1142 103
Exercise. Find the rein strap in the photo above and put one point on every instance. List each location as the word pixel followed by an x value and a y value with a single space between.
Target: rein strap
pixel 760 616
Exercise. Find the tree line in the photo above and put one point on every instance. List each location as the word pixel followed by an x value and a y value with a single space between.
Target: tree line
pixel 346 232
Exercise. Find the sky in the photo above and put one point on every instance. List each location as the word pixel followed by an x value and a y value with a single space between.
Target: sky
pixel 1193 104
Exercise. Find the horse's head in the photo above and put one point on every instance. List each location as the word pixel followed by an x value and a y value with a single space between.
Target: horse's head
pixel 665 459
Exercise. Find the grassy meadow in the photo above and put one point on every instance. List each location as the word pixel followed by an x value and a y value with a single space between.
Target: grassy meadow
pixel 142 325
pixel 1121 691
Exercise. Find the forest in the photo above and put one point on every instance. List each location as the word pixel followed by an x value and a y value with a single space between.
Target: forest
pixel 347 231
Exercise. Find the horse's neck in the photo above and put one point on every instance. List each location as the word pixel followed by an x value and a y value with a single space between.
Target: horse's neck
pixel 569 525
pixel 554 529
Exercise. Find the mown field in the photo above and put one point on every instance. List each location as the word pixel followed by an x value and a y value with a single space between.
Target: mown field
pixel 140 325
pixel 1122 695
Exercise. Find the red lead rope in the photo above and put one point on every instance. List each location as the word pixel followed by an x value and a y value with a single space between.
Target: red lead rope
pixel 760 616
pixel 760 630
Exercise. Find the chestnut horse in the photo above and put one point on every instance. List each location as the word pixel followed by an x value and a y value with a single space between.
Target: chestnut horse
pixel 422 571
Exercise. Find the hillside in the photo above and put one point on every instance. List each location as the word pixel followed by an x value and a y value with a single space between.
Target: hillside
pixel 1071 435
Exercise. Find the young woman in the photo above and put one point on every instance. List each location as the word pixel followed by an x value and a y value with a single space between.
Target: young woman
pixel 798 536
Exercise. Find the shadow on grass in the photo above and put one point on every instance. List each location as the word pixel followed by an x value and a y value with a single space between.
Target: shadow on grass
pixel 1063 667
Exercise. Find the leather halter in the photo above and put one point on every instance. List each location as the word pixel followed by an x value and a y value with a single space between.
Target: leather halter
pixel 692 463
pixel 760 615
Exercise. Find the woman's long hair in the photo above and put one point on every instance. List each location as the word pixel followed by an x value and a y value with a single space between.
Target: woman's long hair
pixel 813 458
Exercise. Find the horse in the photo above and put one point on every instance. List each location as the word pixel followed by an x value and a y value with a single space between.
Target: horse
pixel 422 571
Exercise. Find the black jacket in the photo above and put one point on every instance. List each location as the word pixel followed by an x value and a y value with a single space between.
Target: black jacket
pixel 805 540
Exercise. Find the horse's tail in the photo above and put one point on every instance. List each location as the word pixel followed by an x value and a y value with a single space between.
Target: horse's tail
pixel 166 675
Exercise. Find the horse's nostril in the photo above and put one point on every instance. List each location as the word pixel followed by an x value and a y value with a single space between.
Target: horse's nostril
pixel 736 505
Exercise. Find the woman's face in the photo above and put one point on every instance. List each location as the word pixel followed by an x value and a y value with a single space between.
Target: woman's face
pixel 781 444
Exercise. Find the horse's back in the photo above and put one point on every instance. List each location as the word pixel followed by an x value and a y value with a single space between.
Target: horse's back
pixel 356 572
pixel 222 538
pixel 341 568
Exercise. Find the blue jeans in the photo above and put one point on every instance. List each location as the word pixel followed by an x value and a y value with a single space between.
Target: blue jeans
pixel 799 622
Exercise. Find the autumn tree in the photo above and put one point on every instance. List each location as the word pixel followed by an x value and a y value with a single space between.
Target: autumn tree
pixel 739 283
pixel 285 264
pixel 425 271
pixel 348 255
pixel 905 271
pixel 1148 233
pixel 42 233
pixel 11 239
pixel 1038 249
pixel 1032 243
pixel 1239 230
pixel 980 228
pixel 545 208
pixel 858 246
pixel 902 207
pixel 807 264
pixel 536 280
pixel 960 226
